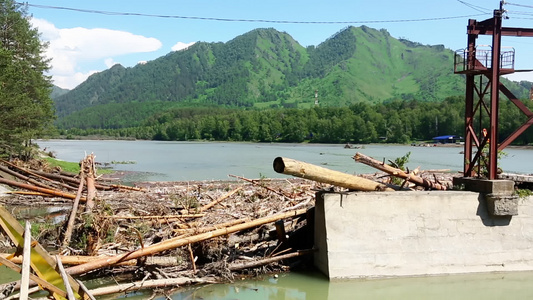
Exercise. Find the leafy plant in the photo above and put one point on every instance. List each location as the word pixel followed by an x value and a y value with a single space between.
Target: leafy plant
pixel 399 163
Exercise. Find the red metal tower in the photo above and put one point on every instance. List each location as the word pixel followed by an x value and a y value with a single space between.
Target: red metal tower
pixel 477 65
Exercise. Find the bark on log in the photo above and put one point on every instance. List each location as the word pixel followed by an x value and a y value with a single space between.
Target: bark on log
pixel 309 171
pixel 28 179
pixel 39 189
pixel 367 160
pixel 148 284
pixel 178 242
pixel 72 180
pixel 88 171
pixel 161 261
pixel 72 218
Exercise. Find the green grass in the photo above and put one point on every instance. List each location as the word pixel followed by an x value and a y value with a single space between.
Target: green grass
pixel 72 167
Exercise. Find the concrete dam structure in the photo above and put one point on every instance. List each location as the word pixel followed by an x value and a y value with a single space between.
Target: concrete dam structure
pixel 389 234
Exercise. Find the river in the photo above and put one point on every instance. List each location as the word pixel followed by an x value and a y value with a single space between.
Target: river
pixel 182 161
pixel 178 161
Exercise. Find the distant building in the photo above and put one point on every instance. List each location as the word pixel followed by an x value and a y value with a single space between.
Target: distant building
pixel 448 139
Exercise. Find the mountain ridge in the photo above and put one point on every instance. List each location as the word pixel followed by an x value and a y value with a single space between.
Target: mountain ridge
pixel 268 68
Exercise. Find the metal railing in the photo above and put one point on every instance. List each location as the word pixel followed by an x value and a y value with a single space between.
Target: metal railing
pixel 484 57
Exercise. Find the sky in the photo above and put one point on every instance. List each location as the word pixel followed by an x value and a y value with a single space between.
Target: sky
pixel 86 37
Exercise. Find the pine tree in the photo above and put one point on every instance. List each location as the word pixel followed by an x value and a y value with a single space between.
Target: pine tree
pixel 26 109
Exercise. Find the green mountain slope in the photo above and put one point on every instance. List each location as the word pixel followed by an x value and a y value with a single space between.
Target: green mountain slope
pixel 267 68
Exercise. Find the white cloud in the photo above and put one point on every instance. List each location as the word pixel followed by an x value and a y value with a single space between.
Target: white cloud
pixel 109 62
pixel 519 76
pixel 181 46
pixel 71 47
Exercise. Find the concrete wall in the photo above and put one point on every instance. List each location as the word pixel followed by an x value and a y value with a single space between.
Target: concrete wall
pixel 385 234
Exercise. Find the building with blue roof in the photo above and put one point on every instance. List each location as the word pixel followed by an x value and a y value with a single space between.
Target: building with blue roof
pixel 448 139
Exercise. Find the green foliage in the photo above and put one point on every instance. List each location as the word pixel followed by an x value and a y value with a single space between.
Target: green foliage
pixel 399 163
pixel 66 166
pixel 392 122
pixel 25 106
pixel 266 69
pixel 523 193
pixel 261 86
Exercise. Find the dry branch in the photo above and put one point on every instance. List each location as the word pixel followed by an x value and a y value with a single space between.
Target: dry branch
pixel 178 242
pixel 148 284
pixel 359 157
pixel 213 203
pixel 72 218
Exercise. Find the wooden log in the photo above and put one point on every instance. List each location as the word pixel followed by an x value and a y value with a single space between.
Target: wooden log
pixel 128 188
pixel 262 262
pixel 148 284
pixel 260 183
pixel 161 261
pixel 72 218
pixel 215 202
pixel 43 283
pixel 212 227
pixel 39 189
pixel 41 262
pixel 64 275
pixel 26 263
pixel 367 160
pixel 170 217
pixel 71 179
pixel 178 242
pixel 309 171
pixel 88 171
pixel 26 178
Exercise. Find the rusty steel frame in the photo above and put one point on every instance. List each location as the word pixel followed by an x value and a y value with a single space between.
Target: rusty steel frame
pixel 473 68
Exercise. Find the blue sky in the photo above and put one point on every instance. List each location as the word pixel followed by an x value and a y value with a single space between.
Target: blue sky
pixel 82 43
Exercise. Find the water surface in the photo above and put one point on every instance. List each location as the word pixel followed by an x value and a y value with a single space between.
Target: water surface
pixel 181 161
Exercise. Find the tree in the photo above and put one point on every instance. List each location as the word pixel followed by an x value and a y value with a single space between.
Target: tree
pixel 25 103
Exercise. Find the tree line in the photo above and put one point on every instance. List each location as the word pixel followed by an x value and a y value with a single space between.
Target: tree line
pixel 396 121
pixel 26 110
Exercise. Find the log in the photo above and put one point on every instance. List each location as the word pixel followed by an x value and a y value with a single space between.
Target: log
pixel 178 242
pixel 169 217
pixel 70 179
pixel 61 270
pixel 39 189
pixel 215 202
pixel 26 262
pixel 367 160
pixel 88 171
pixel 161 261
pixel 43 283
pixel 212 227
pixel 260 183
pixel 72 218
pixel 262 262
pixel 28 179
pixel 309 171
pixel 148 284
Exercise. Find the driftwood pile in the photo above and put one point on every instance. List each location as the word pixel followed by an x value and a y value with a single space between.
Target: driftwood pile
pixel 170 234
pixel 163 234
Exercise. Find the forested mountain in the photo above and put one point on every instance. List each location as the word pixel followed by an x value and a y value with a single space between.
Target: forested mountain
pixel 265 68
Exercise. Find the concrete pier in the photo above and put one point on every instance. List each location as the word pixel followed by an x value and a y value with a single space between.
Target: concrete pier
pixel 388 234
